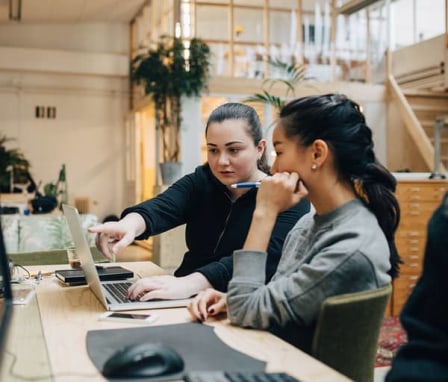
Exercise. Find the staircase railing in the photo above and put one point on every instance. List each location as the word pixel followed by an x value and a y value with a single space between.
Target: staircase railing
pixel 412 124
pixel 425 78
pixel 420 66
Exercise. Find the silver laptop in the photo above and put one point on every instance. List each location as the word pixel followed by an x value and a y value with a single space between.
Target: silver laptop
pixel 112 294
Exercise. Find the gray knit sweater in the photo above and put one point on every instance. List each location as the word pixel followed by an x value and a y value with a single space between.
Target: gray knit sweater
pixel 340 252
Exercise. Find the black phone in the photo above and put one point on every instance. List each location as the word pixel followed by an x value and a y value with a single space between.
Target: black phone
pixel 141 318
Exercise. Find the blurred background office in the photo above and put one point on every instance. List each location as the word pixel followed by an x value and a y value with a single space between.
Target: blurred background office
pixel 66 96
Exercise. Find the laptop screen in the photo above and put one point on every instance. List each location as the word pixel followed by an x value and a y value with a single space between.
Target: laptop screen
pixel 5 295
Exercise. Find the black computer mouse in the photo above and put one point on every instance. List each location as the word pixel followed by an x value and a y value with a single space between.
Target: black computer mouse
pixel 143 360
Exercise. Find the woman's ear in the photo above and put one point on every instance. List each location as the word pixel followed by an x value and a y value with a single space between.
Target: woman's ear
pixel 320 152
pixel 262 146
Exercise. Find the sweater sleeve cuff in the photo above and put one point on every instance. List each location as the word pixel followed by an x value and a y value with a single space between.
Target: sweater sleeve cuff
pixel 249 266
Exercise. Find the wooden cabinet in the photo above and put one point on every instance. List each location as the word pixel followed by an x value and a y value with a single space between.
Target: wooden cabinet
pixel 418 200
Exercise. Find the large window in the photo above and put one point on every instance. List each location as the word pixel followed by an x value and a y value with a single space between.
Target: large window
pixel 242 33
pixel 413 21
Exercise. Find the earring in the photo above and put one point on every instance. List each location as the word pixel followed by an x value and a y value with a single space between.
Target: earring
pixel 314 167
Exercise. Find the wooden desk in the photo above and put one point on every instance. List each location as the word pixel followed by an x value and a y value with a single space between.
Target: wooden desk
pixel 54 346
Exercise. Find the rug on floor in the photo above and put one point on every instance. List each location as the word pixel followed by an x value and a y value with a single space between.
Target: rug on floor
pixel 392 336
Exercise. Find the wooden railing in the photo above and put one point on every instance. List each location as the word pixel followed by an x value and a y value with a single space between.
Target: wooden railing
pixel 420 66
pixel 412 124
pixel 425 78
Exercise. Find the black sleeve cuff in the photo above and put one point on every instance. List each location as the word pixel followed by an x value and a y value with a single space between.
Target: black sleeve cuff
pixel 218 273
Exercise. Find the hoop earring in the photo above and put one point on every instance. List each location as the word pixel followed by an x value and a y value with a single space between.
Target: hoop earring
pixel 314 167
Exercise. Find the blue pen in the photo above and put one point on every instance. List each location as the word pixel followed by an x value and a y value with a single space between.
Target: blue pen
pixel 246 185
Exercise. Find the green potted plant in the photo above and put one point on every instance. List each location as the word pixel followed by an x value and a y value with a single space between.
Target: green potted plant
pixel 14 167
pixel 291 76
pixel 169 70
pixel 55 193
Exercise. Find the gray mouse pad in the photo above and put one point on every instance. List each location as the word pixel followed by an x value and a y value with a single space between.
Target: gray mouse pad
pixel 197 344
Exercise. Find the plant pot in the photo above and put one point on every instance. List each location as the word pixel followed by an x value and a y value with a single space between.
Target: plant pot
pixel 44 204
pixel 170 172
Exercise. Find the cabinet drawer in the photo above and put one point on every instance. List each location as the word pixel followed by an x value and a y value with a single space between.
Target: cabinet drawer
pixel 410 235
pixel 414 222
pixel 410 246
pixel 412 264
pixel 412 256
pixel 413 209
pixel 422 191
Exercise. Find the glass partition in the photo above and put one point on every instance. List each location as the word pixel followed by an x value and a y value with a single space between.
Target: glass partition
pixel 413 21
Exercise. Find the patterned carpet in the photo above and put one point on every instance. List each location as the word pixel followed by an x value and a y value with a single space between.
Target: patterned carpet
pixel 392 336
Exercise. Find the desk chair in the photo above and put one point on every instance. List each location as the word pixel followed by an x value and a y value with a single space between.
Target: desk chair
pixel 347 331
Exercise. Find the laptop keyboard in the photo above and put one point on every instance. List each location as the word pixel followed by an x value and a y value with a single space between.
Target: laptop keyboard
pixel 238 376
pixel 118 290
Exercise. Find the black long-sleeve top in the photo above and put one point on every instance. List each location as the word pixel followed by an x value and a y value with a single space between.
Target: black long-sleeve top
pixel 425 315
pixel 215 225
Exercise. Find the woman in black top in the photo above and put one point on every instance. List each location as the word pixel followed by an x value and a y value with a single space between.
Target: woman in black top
pixel 424 357
pixel 217 216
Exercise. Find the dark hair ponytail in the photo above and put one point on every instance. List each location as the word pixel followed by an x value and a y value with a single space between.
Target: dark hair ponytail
pixel 235 110
pixel 338 121
pixel 376 187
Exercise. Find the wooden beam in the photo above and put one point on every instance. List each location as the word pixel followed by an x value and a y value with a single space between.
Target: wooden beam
pixel 353 6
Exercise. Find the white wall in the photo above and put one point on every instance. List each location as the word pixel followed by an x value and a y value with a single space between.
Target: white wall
pixel 91 100
pixel 93 38
pixel 192 131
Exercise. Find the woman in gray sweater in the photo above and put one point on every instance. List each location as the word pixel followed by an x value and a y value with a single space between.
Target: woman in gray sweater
pixel 325 154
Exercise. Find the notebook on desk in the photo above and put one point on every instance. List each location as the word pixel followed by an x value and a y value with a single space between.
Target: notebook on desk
pixel 112 294
pixel 73 277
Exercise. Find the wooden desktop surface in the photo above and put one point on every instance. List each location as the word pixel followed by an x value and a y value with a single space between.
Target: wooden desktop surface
pixel 53 348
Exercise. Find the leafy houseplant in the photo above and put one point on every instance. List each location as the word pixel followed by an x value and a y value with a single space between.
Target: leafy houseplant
pixel 291 76
pixel 169 70
pixel 54 194
pixel 12 161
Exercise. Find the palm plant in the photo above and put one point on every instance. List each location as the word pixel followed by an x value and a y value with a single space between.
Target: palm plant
pixel 169 70
pixel 291 76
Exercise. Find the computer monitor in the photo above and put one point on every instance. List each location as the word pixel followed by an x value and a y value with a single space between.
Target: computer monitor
pixel 5 295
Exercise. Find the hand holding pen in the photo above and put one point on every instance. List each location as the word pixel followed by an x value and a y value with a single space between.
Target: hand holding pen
pixel 281 191
pixel 246 185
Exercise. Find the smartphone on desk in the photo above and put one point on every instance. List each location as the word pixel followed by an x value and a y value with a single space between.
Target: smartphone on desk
pixel 137 318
